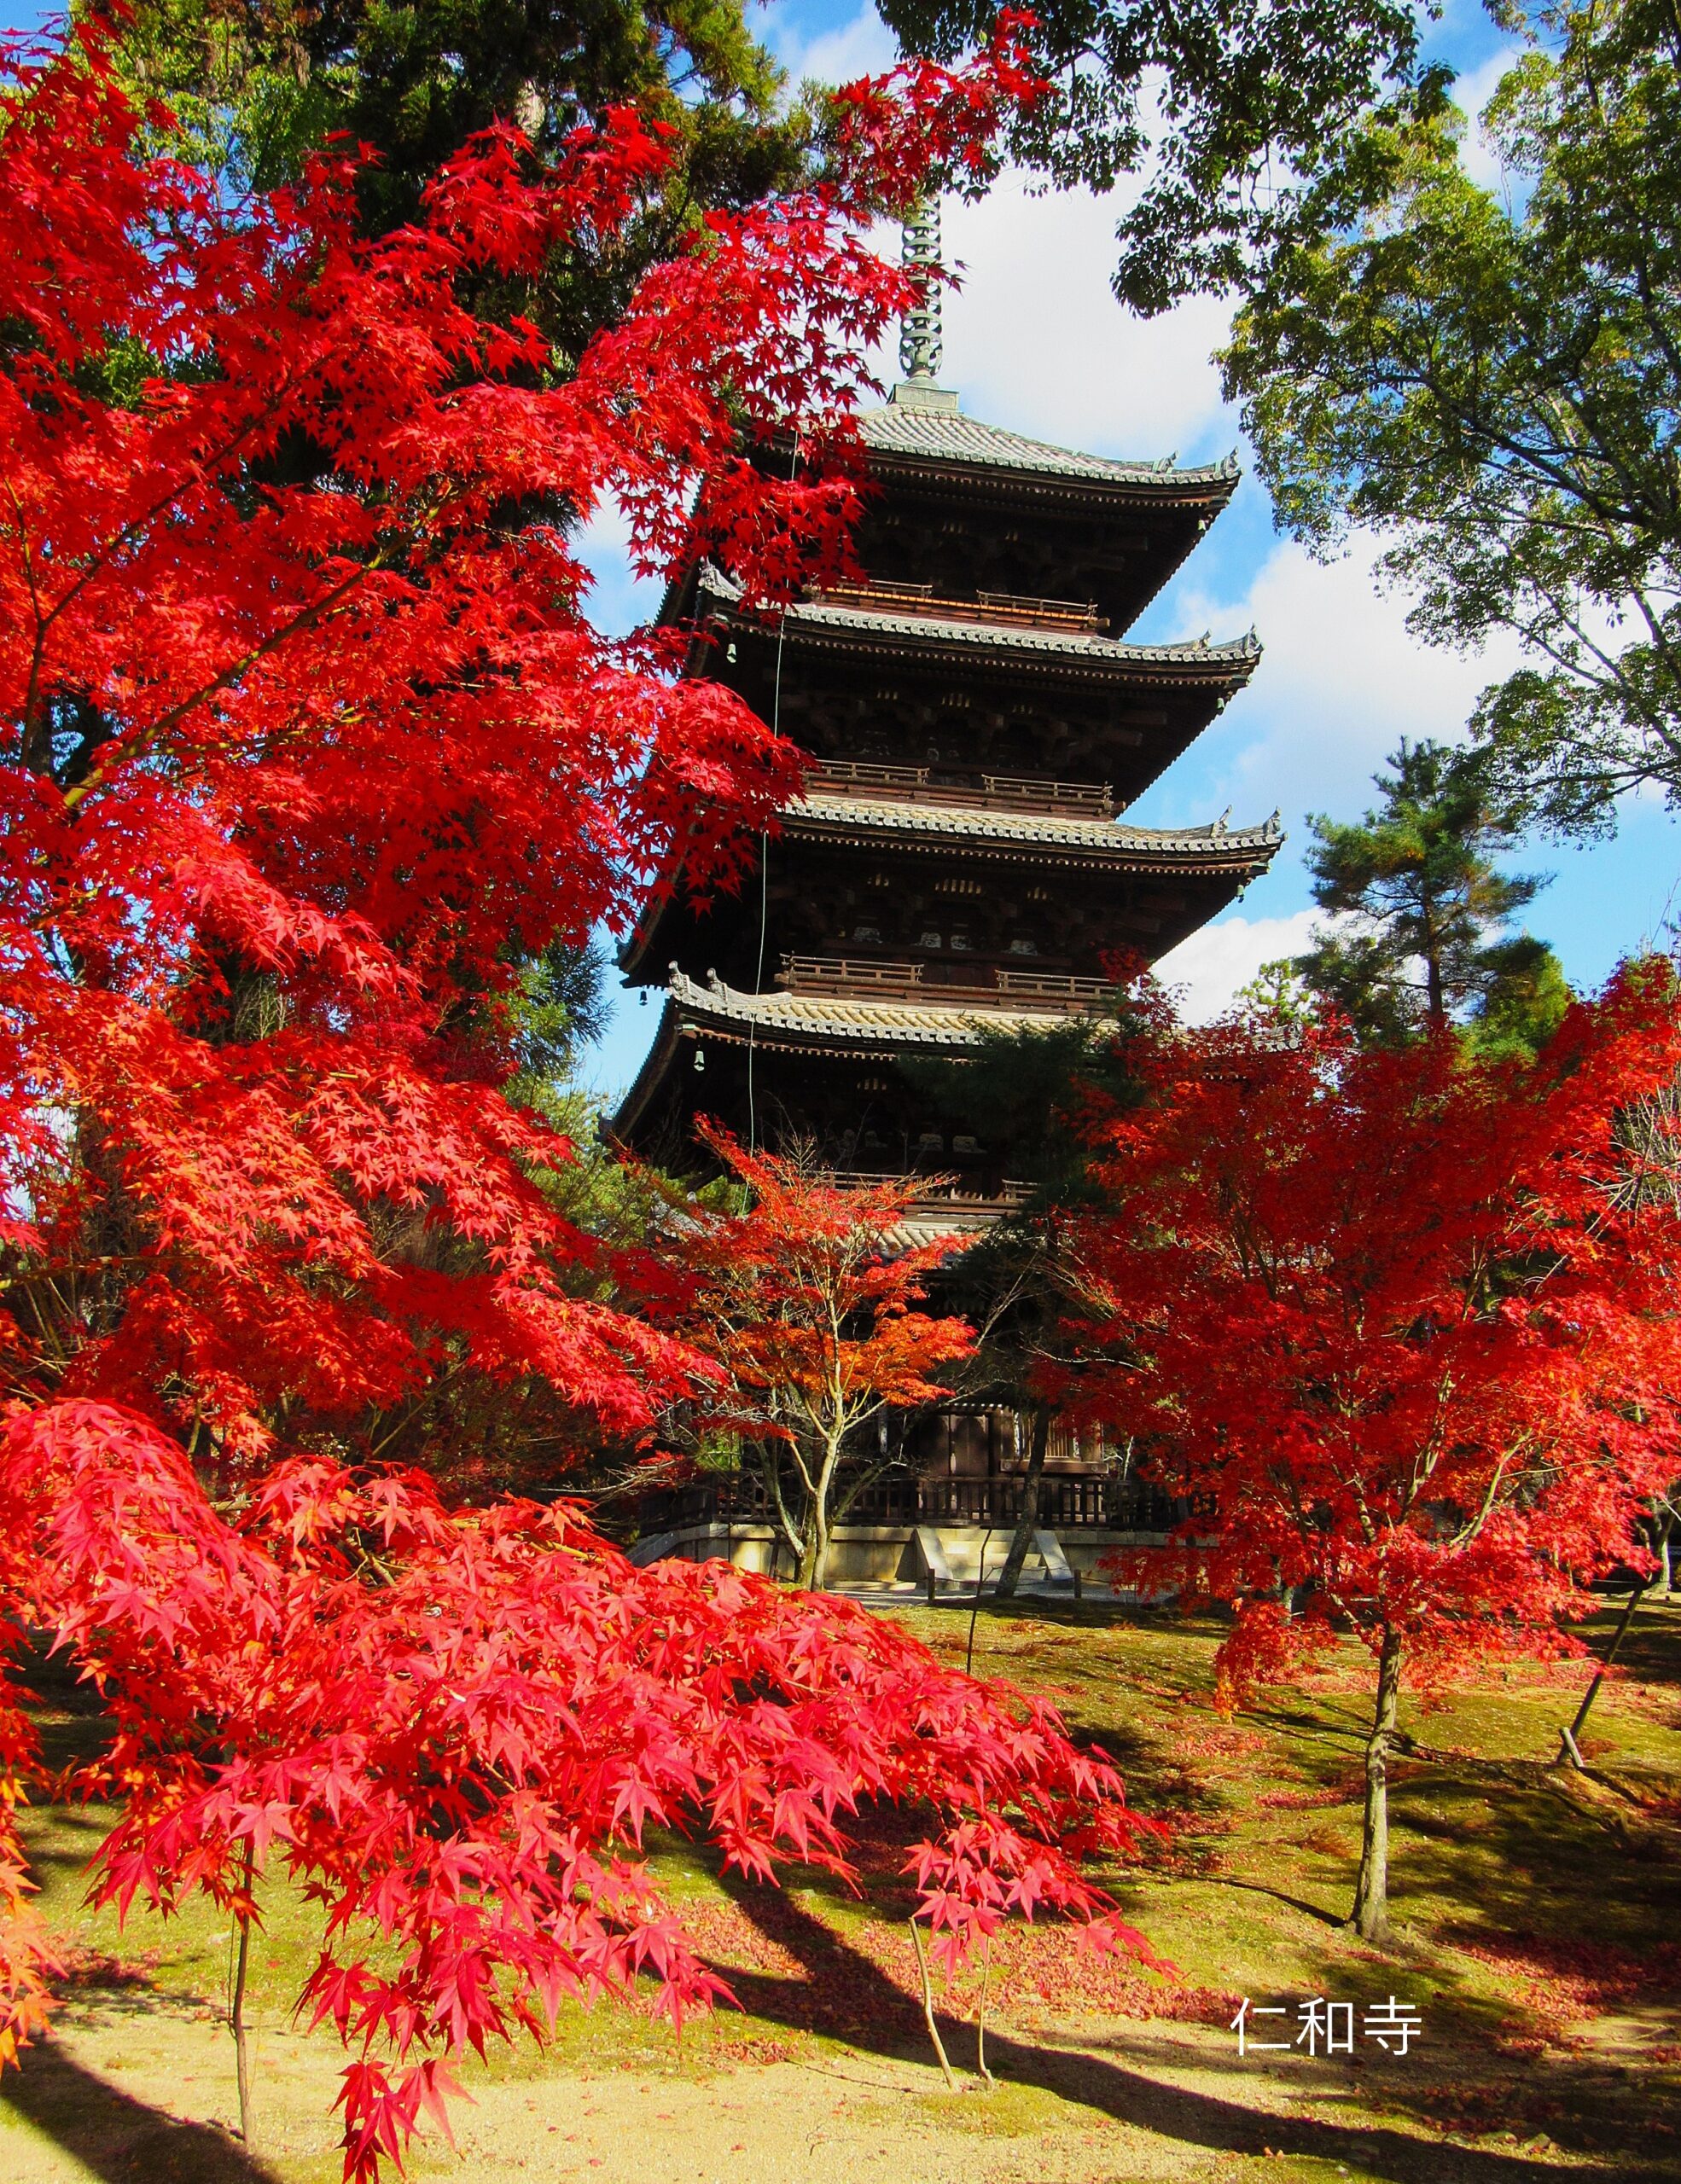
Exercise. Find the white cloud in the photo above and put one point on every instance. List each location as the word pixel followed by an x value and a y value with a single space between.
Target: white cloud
pixel 1208 971
pixel 863 47
pixel 1036 341
pixel 1471 93
pixel 1034 338
pixel 1341 681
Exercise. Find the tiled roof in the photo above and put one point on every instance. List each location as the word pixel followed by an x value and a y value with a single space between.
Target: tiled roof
pixel 989 823
pixel 945 435
pixel 996 637
pixel 843 1017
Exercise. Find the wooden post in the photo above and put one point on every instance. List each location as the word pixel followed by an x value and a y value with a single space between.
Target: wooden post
pixel 974 1605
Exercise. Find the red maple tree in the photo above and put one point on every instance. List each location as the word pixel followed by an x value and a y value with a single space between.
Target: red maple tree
pixel 309 745
pixel 1403 1324
pixel 809 1300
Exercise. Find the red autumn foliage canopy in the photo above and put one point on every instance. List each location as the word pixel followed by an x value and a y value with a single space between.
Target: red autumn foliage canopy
pixel 308 743
pixel 1405 1321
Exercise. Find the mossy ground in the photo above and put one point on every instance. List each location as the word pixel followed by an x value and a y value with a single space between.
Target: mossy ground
pixel 1537 1935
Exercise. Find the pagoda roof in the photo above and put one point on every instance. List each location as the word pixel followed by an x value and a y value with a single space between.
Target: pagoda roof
pixel 858 1027
pixel 866 1029
pixel 822 617
pixel 848 1021
pixel 990 830
pixel 1111 839
pixel 940 434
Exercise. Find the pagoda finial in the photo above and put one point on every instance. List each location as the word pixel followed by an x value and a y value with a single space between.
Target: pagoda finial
pixel 920 348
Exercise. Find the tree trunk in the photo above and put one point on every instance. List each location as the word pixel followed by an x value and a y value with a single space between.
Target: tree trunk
pixel 236 2011
pixel 1028 1522
pixel 1370 1917
pixel 1568 1748
pixel 814 1541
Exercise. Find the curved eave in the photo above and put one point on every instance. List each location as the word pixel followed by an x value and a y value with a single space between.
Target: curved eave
pixel 1195 497
pixel 818 627
pixel 863 1031
pixel 926 431
pixel 1239 854
pixel 979 832
pixel 655 1062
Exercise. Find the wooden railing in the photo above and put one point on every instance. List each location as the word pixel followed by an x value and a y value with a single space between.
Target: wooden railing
pixel 1008 792
pixel 1053 985
pixel 961 985
pixel 944 1190
pixel 1006 609
pixel 851 974
pixel 1080 799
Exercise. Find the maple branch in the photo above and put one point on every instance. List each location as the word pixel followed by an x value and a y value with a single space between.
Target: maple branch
pixel 307 618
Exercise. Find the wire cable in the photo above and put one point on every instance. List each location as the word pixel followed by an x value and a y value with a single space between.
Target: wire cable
pixel 765 844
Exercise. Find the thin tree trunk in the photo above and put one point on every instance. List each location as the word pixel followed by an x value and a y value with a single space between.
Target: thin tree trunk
pixel 1370 1916
pixel 1569 1749
pixel 927 2007
pixel 236 2011
pixel 1028 1522
pixel 814 1547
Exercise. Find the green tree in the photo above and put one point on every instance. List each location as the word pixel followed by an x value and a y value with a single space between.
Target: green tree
pixel 1489 378
pixel 256 86
pixel 1039 1093
pixel 1236 114
pixel 1422 940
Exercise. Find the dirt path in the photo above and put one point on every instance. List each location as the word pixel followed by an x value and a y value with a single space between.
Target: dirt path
pixel 128 2093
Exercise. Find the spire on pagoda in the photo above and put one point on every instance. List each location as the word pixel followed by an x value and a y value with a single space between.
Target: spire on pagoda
pixel 920 346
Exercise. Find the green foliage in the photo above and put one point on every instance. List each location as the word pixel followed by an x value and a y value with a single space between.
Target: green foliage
pixel 1523 1001
pixel 256 88
pixel 1216 102
pixel 1028 1090
pixel 561 1007
pixel 1490 379
pixel 1424 910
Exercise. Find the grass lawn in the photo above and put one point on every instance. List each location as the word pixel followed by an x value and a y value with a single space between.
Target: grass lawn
pixel 1537 1915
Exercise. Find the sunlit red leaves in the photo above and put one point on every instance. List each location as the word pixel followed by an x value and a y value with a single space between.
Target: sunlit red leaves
pixel 453 1730
pixel 812 1290
pixel 1410 1319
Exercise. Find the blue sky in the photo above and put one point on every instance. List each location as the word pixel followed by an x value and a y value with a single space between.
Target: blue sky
pixel 1035 340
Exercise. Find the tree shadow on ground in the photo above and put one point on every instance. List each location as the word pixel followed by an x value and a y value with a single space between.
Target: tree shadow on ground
pixel 847 1997
pixel 114 2136
pixel 1531 1861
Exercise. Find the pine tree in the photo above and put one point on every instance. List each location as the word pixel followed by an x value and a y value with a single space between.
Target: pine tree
pixel 1424 941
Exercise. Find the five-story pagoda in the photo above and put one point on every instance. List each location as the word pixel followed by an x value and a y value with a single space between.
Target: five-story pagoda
pixel 978 724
